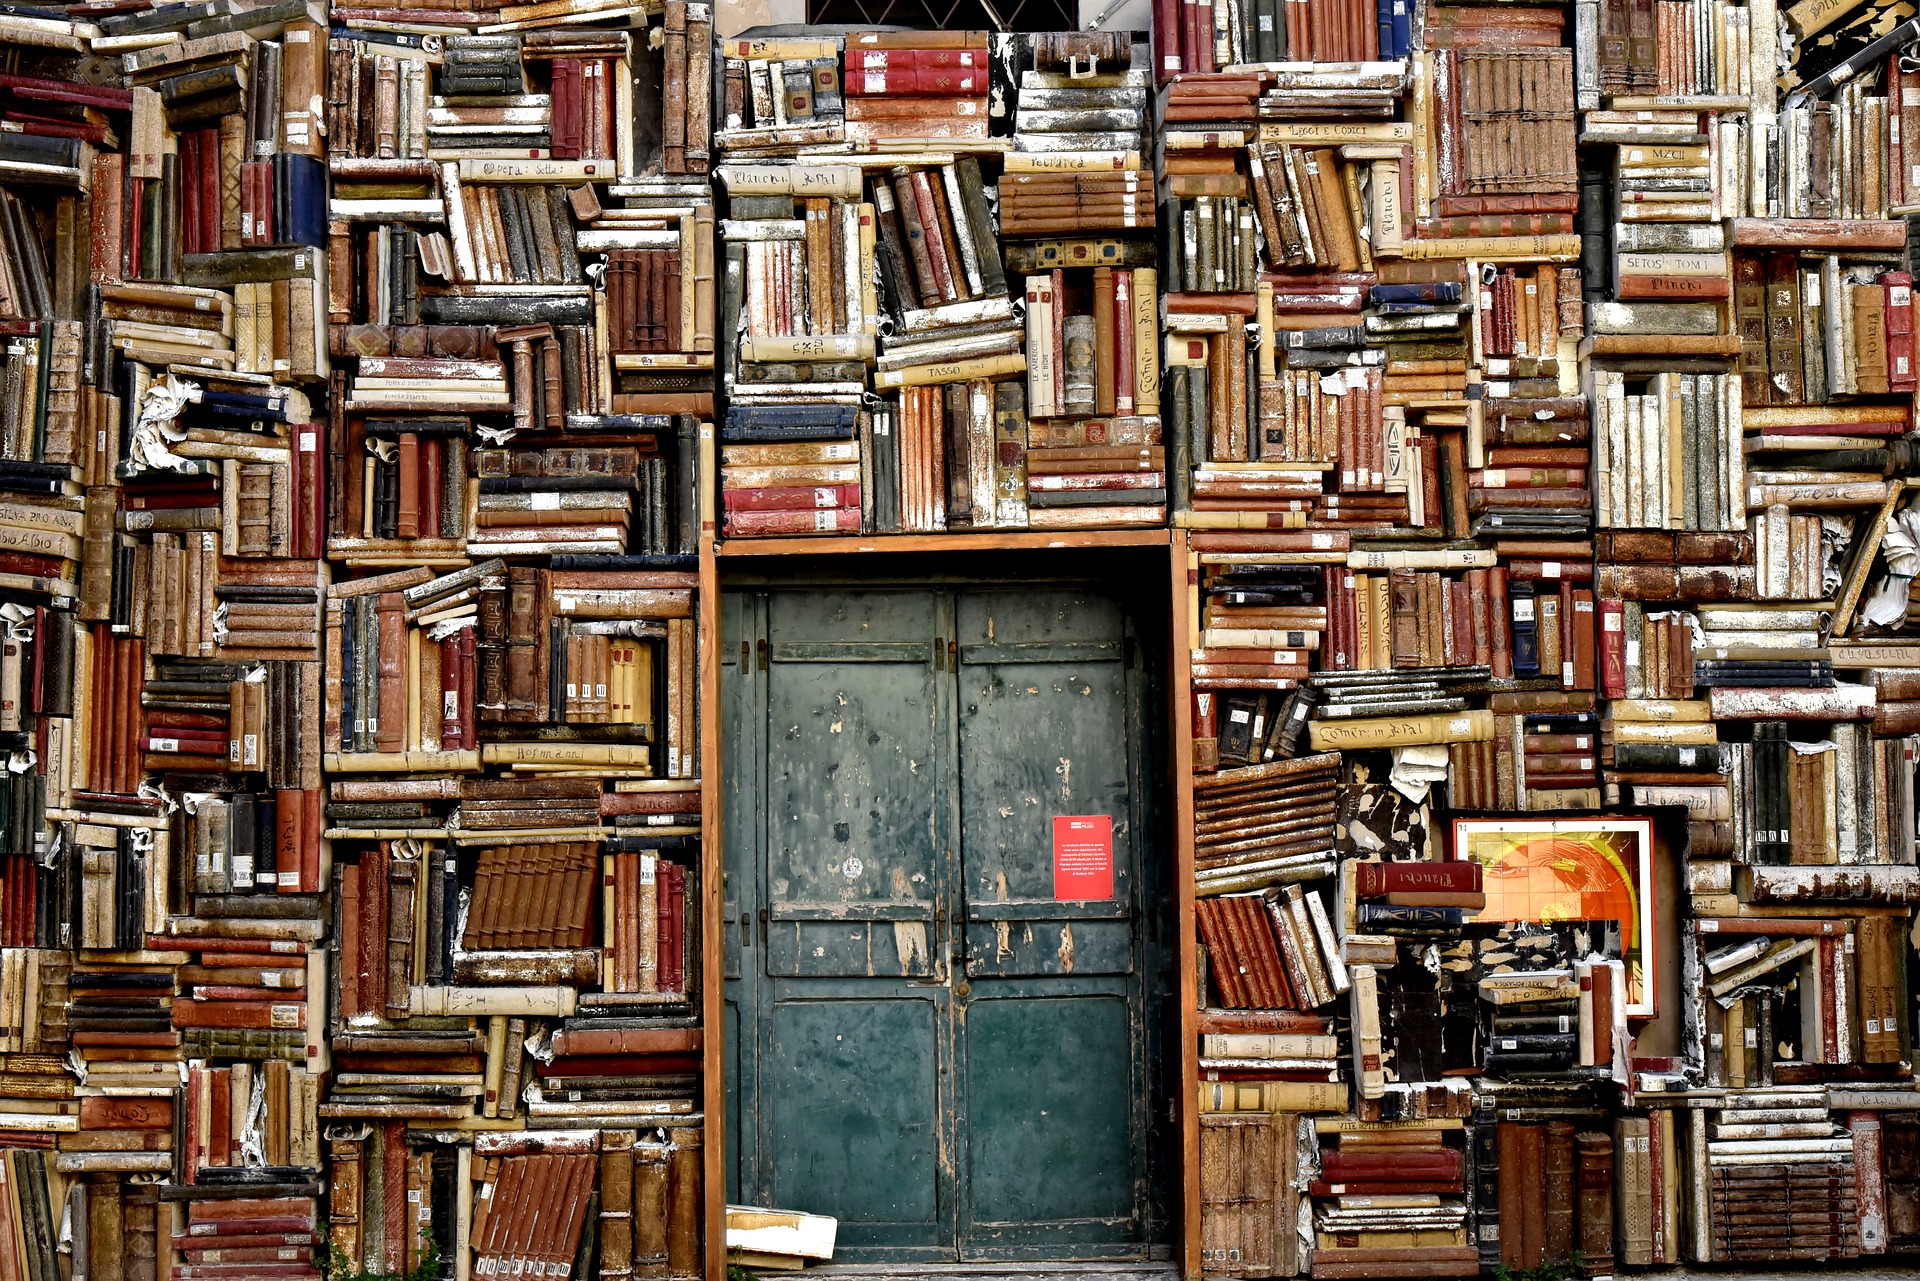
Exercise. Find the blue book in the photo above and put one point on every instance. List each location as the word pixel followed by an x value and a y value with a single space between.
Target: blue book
pixel 1402 31
pixel 1563 723
pixel 771 434
pixel 789 415
pixel 1526 641
pixel 349 688
pixel 1383 20
pixel 1430 291
pixel 300 200
pixel 1415 308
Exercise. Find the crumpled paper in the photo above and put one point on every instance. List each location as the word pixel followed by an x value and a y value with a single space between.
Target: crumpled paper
pixel 1886 604
pixel 1417 769
pixel 156 429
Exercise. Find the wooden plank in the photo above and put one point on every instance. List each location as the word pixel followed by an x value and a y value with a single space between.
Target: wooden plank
pixel 1010 540
pixel 713 966
pixel 1184 569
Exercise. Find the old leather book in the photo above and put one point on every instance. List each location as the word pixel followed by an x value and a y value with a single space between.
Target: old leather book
pixel 1247 1200
pixel 651 1201
pixel 1594 1212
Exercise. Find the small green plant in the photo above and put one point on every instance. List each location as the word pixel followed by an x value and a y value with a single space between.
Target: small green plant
pixel 340 1268
pixel 1545 1270
pixel 737 1273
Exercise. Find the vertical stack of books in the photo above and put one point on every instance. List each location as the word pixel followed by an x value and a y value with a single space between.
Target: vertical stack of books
pixel 1078 214
pixel 164 298
pixel 523 303
pixel 800 315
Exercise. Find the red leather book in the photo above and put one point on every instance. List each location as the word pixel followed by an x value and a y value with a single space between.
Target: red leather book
pixel 108 218
pixel 296 1254
pixel 915 81
pixel 191 1156
pixel 207 178
pixel 218 1086
pixel 945 276
pixel 1221 966
pixel 1374 879
pixel 251 1211
pixel 312 491
pixel 1498 631
pixel 189 144
pixel 1612 646
pixel 645 303
pixel 565 143
pixel 372 960
pixel 107 1113
pixel 599 1041
pixel 1167 58
pixel 433 460
pixel 671 880
pixel 1899 291
pixel 394 1187
pixel 469 675
pixel 843 520
pixel 791 498
pixel 410 497
pixel 1392 1167
pixel 284 1015
pixel 450 690
pixel 392 694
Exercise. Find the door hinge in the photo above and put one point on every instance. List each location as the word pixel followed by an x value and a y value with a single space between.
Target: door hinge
pixel 763 929
pixel 746 657
pixel 762 648
pixel 939 654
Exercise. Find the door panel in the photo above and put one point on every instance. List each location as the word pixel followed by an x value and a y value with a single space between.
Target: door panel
pixel 1044 734
pixel 853 823
pixel 1050 1093
pixel 856 1114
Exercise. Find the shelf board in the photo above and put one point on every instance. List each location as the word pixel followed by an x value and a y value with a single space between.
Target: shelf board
pixel 985 540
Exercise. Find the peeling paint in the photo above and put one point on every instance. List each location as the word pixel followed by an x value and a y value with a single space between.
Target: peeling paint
pixel 1065 952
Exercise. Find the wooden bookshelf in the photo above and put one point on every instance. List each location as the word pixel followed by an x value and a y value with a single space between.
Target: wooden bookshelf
pixel 1182 565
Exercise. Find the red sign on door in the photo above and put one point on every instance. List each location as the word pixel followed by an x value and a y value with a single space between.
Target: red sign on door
pixel 1083 857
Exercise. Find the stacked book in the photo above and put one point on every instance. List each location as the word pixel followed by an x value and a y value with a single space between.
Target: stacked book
pixel 1777 1197
pixel 1390 1201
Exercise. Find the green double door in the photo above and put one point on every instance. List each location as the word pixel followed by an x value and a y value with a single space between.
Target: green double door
pixel 936 1008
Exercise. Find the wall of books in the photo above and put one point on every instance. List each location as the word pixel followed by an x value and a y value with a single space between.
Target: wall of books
pixel 1524 394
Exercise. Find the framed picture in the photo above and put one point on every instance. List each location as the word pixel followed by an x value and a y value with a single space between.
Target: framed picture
pixel 1578 869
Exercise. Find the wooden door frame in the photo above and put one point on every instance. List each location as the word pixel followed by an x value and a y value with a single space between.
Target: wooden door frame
pixel 860 559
